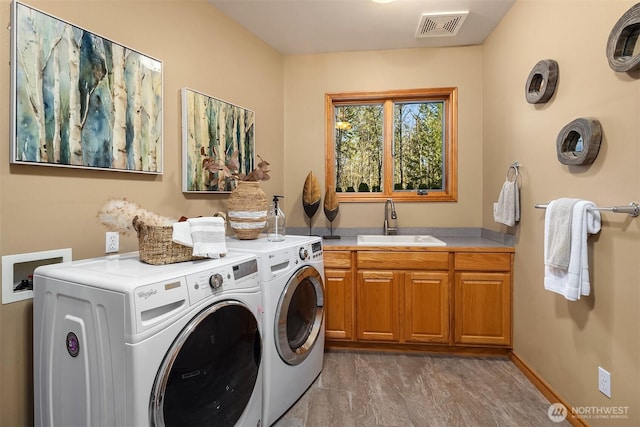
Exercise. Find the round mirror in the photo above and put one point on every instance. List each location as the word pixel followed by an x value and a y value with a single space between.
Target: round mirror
pixel 572 146
pixel 623 51
pixel 541 82
pixel 578 142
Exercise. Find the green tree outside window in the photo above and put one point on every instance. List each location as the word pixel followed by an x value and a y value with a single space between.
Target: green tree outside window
pixel 400 144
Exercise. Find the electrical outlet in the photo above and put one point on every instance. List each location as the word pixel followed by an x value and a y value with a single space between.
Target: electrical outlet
pixel 604 382
pixel 112 242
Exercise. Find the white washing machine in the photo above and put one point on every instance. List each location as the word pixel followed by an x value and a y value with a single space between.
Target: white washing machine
pixel 121 343
pixel 292 281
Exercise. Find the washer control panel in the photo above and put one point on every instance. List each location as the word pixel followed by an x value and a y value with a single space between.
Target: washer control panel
pixel 155 301
pixel 213 281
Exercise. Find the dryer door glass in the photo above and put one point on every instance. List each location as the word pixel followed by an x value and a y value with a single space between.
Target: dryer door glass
pixel 299 315
pixel 208 375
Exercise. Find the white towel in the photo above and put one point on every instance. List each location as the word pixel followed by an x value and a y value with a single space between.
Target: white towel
pixel 182 234
pixel 208 234
pixel 507 210
pixel 558 232
pixel 573 282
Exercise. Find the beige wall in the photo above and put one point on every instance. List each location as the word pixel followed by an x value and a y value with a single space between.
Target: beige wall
pixel 309 77
pixel 565 342
pixel 44 208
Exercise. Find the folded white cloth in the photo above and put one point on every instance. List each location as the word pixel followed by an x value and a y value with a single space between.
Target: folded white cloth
pixel 208 235
pixel 182 234
pixel 507 210
pixel 573 282
pixel 558 232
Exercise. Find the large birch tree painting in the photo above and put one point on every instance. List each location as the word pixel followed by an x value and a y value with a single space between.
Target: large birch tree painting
pixel 81 100
pixel 217 137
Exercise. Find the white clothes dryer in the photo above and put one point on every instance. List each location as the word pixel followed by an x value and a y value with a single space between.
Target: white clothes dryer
pixel 121 343
pixel 292 281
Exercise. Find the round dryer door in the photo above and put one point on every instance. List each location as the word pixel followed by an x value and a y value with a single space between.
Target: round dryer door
pixel 208 376
pixel 299 315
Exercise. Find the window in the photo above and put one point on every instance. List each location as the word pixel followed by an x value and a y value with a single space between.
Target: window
pixel 400 144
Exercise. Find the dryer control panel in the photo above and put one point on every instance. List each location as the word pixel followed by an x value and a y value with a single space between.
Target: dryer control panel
pixel 316 250
pixel 310 251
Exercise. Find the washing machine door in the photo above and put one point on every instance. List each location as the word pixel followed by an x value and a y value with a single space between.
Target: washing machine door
pixel 209 373
pixel 299 315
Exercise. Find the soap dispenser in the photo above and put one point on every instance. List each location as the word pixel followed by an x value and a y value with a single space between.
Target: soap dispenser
pixel 275 222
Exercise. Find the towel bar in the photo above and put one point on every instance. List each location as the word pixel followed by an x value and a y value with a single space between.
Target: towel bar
pixel 633 209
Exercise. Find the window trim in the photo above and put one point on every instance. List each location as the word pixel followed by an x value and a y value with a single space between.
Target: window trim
pixel 448 94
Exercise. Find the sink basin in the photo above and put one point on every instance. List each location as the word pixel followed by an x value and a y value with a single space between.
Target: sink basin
pixel 399 240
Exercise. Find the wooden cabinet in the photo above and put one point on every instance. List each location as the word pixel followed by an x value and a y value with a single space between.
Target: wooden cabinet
pixel 482 295
pixel 415 300
pixel 377 305
pixel 426 306
pixel 402 297
pixel 339 293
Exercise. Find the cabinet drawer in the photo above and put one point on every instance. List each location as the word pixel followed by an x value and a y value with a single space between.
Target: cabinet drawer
pixel 483 261
pixel 403 260
pixel 337 259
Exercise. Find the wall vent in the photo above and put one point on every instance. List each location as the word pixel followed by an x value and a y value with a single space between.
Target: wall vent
pixel 444 24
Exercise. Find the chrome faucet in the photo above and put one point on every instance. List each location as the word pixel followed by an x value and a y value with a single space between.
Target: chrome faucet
pixel 389 230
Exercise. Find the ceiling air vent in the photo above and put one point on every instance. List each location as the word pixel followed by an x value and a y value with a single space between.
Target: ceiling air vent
pixel 443 24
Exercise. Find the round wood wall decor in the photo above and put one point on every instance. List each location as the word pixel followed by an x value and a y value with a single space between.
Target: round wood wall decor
pixel 622 41
pixel 541 82
pixel 578 142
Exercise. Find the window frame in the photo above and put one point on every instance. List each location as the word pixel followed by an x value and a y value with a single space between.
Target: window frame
pixel 387 98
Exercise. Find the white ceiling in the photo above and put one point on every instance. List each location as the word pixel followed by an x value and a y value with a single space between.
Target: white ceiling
pixel 317 26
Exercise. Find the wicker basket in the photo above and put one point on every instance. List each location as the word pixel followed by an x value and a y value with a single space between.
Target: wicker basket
pixel 247 210
pixel 157 247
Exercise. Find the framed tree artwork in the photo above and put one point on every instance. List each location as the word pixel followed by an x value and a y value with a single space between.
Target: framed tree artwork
pixel 80 100
pixel 218 142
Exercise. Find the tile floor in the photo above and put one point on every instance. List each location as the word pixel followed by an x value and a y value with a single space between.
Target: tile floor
pixel 357 389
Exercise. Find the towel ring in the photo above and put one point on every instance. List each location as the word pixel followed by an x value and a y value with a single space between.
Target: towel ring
pixel 513 167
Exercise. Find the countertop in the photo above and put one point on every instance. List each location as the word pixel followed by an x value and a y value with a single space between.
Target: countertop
pixel 454 244
pixel 457 239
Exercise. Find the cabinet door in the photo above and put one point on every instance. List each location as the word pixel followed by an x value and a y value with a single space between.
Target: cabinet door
pixel 338 304
pixel 426 307
pixel 377 306
pixel 482 308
